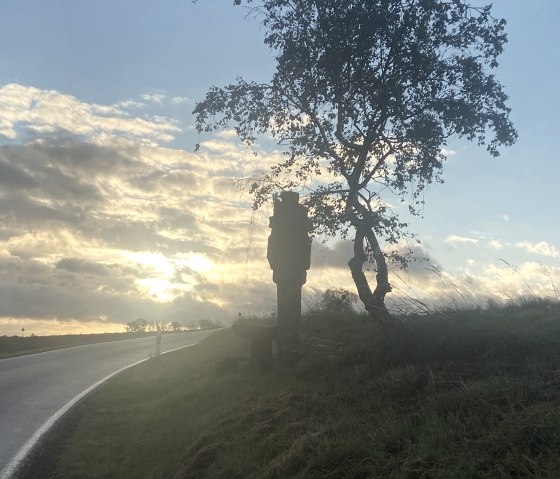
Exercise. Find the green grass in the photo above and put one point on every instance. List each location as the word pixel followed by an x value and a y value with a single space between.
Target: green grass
pixel 457 394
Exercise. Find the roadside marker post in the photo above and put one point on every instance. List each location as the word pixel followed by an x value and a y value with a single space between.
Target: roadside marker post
pixel 158 340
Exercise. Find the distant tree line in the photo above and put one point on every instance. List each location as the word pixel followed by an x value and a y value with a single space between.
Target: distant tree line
pixel 141 325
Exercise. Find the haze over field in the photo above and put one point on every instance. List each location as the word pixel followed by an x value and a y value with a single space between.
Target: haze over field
pixel 107 214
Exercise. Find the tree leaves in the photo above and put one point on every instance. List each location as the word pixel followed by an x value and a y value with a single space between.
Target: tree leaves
pixel 368 92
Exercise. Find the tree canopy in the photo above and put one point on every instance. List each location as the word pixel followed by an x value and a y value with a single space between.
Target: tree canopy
pixel 363 100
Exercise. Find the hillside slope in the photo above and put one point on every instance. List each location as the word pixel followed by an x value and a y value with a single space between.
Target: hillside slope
pixel 455 395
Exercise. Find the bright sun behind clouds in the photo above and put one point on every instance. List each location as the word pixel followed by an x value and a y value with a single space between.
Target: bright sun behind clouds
pixel 161 274
pixel 198 263
pixel 153 261
pixel 158 289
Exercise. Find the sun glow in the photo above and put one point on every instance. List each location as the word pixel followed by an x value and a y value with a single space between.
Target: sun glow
pixel 199 263
pixel 154 260
pixel 159 289
pixel 160 274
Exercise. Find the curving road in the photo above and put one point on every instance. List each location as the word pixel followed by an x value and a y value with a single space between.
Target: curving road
pixel 37 389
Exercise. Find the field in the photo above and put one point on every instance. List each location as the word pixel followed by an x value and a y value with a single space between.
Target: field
pixel 454 394
pixel 11 346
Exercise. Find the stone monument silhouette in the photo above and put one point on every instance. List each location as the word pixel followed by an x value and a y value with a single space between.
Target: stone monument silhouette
pixel 289 256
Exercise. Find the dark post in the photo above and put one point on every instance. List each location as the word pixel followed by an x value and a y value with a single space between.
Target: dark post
pixel 289 256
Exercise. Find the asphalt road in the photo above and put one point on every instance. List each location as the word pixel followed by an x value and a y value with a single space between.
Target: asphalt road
pixel 37 389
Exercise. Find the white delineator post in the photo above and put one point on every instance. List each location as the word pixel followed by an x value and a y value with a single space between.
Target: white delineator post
pixel 158 340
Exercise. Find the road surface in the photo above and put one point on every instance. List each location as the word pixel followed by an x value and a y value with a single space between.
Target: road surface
pixel 35 390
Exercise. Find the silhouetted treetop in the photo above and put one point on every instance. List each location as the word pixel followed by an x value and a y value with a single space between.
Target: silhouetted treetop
pixel 363 100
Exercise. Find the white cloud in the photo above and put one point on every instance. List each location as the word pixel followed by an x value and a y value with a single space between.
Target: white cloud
pixel 153 98
pixel 496 244
pixel 129 104
pixel 455 239
pixel 542 248
pixel 48 111
pixel 180 99
pixel 227 134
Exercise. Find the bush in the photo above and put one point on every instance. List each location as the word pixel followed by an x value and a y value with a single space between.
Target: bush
pixel 338 300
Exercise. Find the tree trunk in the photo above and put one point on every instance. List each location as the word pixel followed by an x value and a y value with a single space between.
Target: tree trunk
pixel 374 302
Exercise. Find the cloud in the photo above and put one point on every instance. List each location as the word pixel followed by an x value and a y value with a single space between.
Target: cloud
pixel 129 104
pixel 100 223
pixel 178 100
pixel 496 244
pixel 334 256
pixel 471 287
pixel 14 177
pixel 116 229
pixel 156 98
pixel 76 265
pixel 43 327
pixel 454 239
pixel 542 248
pixel 50 112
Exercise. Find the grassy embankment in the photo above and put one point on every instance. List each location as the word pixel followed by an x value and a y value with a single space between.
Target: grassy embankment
pixel 461 394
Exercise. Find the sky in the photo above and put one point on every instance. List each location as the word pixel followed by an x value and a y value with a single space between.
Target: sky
pixel 107 214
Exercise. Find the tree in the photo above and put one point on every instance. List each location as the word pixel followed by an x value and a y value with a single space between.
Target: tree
pixel 137 326
pixel 365 95
pixel 206 323
pixel 193 325
pixel 176 327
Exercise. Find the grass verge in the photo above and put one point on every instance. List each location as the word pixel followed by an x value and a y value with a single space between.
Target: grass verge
pixel 459 394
